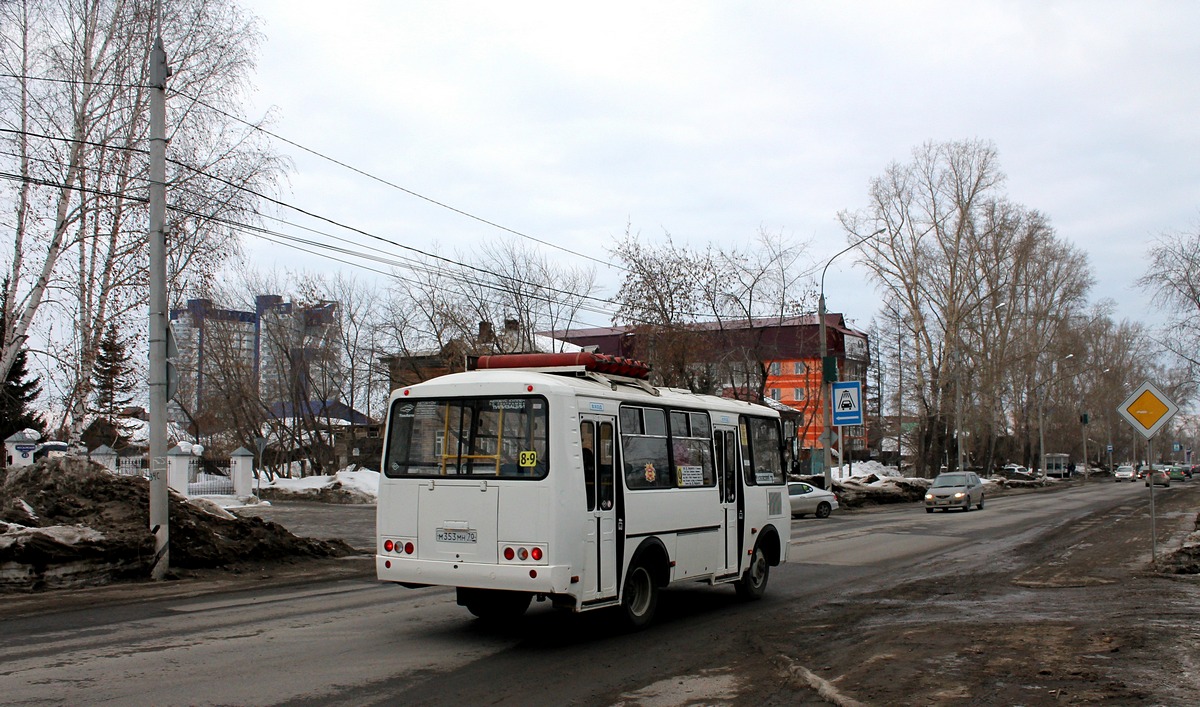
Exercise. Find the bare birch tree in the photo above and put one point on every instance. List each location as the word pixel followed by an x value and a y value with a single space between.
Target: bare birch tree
pixel 492 301
pixel 1173 275
pixel 984 283
pixel 701 315
pixel 662 297
pixel 79 129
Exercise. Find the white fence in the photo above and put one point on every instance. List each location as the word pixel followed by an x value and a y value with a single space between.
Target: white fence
pixel 189 475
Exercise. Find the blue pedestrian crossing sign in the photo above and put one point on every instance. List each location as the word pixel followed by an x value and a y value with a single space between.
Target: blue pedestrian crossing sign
pixel 847 403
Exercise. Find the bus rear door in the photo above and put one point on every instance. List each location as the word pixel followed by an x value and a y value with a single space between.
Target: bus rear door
pixel 727 447
pixel 597 434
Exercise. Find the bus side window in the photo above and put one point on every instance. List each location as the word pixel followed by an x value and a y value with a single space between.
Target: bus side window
pixel 727 449
pixel 606 466
pixel 587 439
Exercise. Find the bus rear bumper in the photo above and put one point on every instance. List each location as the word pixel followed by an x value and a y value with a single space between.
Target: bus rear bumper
pixel 540 579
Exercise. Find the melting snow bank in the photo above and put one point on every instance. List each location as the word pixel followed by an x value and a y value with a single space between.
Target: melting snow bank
pixel 69 522
pixel 1185 560
pixel 872 483
pixel 350 485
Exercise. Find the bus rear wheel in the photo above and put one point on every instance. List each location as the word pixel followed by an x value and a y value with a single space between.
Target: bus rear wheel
pixel 639 598
pixel 753 583
pixel 494 604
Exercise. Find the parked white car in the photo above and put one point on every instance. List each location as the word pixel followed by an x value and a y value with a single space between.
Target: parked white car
pixel 807 498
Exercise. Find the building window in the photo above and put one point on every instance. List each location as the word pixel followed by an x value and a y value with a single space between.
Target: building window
pixel 775 368
pixel 798 393
pixel 797 368
pixel 774 393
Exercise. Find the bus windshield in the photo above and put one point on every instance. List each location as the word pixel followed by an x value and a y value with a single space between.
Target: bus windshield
pixel 493 437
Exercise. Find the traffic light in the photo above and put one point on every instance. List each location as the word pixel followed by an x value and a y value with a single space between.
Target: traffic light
pixel 1084 418
pixel 829 372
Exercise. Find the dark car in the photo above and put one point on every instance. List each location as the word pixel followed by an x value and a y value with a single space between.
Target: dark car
pixel 1160 477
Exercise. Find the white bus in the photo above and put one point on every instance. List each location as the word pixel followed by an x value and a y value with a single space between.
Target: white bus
pixel 569 477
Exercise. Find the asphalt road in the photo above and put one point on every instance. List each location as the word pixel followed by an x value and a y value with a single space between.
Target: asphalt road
pixel 847 613
pixel 354 523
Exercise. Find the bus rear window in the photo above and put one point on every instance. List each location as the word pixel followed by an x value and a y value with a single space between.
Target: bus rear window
pixel 492 437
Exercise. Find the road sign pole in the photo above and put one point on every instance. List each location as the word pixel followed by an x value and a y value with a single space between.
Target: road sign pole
pixel 1150 478
pixel 1147 410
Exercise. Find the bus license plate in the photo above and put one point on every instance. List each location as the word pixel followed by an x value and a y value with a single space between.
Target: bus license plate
pixel 457 536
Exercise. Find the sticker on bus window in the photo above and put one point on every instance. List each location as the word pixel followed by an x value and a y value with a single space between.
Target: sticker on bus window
pixel 689 476
pixel 527 458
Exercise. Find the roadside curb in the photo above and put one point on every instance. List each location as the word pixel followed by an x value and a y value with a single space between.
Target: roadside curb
pixel 189 584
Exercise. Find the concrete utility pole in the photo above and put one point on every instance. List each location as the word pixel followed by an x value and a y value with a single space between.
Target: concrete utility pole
pixel 159 524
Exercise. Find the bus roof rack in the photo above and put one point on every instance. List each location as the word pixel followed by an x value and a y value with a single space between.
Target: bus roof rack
pixel 588 360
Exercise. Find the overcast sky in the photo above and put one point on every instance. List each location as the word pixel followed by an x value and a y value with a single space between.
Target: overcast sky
pixel 566 121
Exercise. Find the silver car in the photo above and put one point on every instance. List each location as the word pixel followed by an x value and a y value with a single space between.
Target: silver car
pixel 1124 472
pixel 960 489
pixel 810 499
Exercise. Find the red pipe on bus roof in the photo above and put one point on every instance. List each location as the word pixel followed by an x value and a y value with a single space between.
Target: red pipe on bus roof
pixel 598 362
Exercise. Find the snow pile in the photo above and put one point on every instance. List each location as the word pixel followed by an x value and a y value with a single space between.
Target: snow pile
pixel 350 485
pixel 873 489
pixel 872 483
pixel 872 468
pixel 1185 560
pixel 69 522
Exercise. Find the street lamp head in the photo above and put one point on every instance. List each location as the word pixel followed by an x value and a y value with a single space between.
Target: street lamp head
pixel 851 247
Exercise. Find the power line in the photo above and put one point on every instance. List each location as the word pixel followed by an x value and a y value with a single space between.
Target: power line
pixel 306 212
pixel 264 197
pixel 408 263
pixel 373 236
pixel 271 236
pixel 344 165
pixel 410 192
pixel 356 170
pixel 74 82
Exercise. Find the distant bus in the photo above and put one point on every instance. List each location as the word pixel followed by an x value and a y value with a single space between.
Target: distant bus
pixel 568 477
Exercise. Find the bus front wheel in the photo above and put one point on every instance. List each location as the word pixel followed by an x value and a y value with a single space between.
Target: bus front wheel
pixel 639 599
pixel 753 583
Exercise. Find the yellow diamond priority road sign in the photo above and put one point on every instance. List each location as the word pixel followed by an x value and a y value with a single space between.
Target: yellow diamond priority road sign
pixel 1148 409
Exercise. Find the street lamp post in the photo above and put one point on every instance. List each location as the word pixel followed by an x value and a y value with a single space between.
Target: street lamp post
pixel 1083 423
pixel 826 381
pixel 899 395
pixel 958 445
pixel 1041 416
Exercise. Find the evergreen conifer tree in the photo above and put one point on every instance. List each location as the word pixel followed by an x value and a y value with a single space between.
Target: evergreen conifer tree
pixel 112 383
pixel 15 397
pixel 17 393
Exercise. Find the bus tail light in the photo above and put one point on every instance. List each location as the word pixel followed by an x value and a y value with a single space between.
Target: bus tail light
pixel 400 546
pixel 523 554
